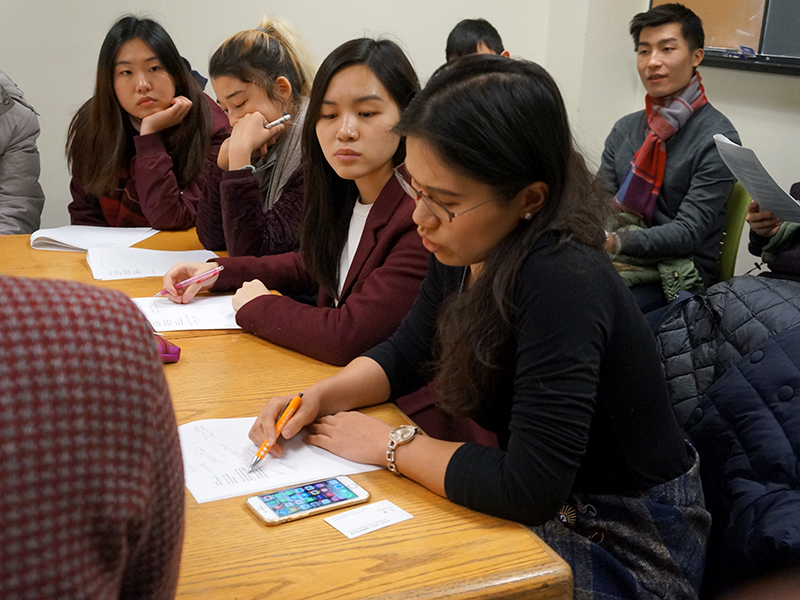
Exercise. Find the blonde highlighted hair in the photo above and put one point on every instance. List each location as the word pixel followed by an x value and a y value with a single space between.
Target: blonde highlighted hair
pixel 261 55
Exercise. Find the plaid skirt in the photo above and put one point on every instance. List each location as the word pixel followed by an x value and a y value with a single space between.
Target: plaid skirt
pixel 648 546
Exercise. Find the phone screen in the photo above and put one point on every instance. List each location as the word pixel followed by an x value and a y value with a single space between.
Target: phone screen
pixel 308 497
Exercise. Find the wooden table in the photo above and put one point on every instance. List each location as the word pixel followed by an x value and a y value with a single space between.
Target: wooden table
pixel 445 551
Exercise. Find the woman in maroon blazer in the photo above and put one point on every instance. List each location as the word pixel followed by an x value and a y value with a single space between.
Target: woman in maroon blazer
pixel 359 249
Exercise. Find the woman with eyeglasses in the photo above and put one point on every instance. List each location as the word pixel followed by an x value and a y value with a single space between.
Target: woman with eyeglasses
pixel 526 327
pixel 359 249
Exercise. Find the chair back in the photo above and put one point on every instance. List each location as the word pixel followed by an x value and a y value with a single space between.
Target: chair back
pixel 729 247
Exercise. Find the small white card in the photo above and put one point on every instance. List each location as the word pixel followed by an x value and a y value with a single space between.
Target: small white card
pixel 371 517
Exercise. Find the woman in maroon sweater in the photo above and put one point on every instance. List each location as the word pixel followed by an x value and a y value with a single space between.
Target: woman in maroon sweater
pixel 359 249
pixel 141 147
pixel 253 202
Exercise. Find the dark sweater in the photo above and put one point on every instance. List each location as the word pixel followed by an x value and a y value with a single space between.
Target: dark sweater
pixel 691 208
pixel 231 215
pixel 583 408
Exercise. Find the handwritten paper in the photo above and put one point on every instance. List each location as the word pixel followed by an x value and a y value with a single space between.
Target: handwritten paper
pixel 365 519
pixel 217 454
pixel 744 164
pixel 109 264
pixel 203 312
pixel 79 238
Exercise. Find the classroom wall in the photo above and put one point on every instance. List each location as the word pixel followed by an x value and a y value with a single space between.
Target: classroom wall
pixel 50 49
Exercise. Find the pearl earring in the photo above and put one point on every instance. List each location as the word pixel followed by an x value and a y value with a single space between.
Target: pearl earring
pixel 528 216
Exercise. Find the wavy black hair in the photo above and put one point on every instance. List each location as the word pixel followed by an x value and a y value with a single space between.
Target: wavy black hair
pixel 514 108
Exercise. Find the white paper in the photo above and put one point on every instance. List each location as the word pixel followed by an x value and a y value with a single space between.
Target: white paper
pixel 133 263
pixel 365 519
pixel 217 454
pixel 746 167
pixel 79 238
pixel 203 312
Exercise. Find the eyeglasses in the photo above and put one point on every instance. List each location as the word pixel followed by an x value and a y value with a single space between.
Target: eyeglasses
pixel 440 212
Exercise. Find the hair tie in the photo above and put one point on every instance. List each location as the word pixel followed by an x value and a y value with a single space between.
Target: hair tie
pixel 261 29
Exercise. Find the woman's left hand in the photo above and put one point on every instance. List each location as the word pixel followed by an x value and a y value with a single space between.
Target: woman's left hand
pixel 351 435
pixel 169 117
pixel 249 291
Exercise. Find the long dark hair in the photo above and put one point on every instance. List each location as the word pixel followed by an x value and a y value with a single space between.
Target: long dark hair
pixel 261 55
pixel 98 137
pixel 329 199
pixel 502 122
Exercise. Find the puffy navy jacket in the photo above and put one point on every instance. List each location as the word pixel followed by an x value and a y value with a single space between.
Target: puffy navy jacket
pixel 732 359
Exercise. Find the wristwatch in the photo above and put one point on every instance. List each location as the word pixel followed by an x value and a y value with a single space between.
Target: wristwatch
pixel 399 436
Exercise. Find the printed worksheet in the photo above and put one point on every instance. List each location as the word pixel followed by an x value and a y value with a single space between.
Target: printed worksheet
pixel 217 454
pixel 108 264
pixel 203 312
pixel 79 238
pixel 746 167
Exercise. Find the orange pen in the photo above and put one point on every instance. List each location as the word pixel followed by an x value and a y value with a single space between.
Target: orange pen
pixel 286 414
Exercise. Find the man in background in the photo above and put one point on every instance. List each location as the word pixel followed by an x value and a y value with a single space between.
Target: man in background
pixel 473 36
pixel 662 165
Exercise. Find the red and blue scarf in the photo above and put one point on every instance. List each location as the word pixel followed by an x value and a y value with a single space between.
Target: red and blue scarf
pixel 665 116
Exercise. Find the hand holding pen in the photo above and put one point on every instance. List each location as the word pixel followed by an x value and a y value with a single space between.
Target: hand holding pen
pixel 286 414
pixel 191 277
pixel 251 138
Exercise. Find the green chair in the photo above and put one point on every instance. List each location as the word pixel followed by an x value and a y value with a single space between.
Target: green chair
pixel 729 246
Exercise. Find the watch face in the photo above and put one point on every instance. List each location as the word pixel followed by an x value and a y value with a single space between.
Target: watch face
pixel 403 433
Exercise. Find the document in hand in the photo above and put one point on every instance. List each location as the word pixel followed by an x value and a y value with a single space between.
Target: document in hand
pixel 79 238
pixel 746 167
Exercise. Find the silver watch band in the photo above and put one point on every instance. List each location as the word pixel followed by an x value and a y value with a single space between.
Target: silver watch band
pixel 406 434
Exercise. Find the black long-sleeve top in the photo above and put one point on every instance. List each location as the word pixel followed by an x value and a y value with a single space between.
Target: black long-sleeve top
pixel 584 407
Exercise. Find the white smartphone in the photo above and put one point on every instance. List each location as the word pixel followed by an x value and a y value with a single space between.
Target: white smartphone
pixel 306 499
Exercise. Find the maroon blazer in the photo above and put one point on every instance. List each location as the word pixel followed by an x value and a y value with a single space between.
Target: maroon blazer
pixel 388 267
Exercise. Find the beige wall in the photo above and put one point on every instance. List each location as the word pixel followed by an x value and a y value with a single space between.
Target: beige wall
pixel 50 49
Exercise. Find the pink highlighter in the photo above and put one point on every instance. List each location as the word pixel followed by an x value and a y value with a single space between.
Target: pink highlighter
pixel 204 276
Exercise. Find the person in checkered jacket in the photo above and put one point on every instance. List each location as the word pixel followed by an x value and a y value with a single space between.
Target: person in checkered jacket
pixel 90 463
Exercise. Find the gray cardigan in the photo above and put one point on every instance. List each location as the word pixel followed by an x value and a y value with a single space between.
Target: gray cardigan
pixel 21 197
pixel 690 213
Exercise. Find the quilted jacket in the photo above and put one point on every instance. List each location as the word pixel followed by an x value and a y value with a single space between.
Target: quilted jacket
pixel 747 431
pixel 711 332
pixel 732 360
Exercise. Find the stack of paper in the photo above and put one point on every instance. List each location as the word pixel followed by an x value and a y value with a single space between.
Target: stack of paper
pixel 79 238
pixel 133 263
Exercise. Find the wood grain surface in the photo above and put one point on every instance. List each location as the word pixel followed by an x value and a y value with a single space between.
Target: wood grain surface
pixel 444 551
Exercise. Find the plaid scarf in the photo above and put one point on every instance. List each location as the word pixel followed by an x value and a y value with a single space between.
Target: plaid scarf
pixel 665 116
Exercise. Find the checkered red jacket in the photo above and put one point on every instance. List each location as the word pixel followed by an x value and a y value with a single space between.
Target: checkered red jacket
pixel 91 478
